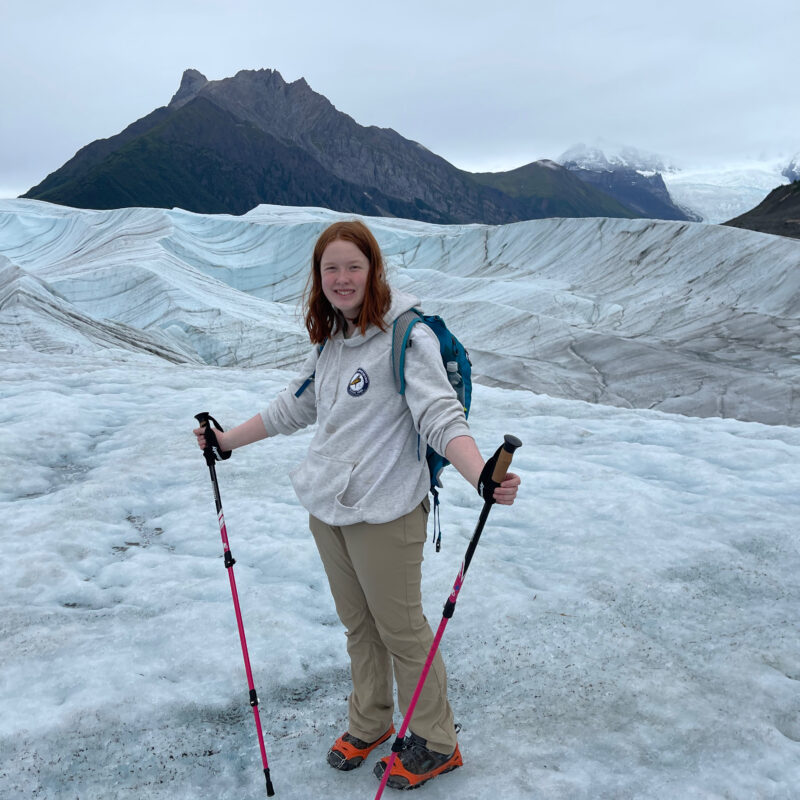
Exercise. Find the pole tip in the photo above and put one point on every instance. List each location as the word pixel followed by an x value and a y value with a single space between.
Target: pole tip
pixel 270 790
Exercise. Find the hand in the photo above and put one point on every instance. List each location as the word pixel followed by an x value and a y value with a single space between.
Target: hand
pixel 216 440
pixel 505 492
pixel 200 433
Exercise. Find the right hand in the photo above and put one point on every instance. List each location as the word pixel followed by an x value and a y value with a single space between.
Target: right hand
pixel 200 433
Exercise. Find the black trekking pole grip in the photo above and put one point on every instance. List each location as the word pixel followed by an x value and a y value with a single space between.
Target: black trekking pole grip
pixel 212 450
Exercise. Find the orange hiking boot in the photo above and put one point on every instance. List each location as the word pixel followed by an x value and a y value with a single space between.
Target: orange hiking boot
pixel 415 764
pixel 348 752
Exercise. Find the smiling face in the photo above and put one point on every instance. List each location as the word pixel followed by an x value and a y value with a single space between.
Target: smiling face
pixel 347 285
pixel 344 270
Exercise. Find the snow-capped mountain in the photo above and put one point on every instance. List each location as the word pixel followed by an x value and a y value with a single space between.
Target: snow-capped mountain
pixel 607 156
pixel 696 319
pixel 710 194
pixel 630 176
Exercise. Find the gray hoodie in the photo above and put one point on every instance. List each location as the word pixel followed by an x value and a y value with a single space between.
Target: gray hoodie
pixel 366 462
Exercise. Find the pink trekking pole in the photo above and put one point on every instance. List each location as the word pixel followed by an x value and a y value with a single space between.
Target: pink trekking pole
pixel 212 453
pixel 502 460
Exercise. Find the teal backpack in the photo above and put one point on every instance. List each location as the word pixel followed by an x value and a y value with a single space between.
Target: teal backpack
pixel 459 372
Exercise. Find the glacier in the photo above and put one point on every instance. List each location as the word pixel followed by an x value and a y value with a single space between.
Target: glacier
pixel 629 629
pixel 678 317
pixel 722 193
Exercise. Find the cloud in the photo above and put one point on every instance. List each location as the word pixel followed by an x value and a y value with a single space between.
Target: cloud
pixel 477 83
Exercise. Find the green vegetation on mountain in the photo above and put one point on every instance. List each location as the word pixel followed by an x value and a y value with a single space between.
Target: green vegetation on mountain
pixel 553 191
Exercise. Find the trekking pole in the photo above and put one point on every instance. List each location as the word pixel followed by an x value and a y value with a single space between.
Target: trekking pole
pixel 503 462
pixel 212 453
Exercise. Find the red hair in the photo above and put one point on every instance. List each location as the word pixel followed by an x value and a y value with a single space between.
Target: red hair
pixel 322 319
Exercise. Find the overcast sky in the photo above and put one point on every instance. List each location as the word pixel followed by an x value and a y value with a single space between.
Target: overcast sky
pixel 488 86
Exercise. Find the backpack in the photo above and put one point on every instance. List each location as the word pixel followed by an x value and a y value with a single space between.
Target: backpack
pixel 459 372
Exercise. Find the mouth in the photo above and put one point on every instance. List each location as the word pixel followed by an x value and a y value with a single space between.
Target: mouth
pixel 344 292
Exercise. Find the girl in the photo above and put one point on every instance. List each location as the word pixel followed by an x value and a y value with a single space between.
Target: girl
pixel 365 487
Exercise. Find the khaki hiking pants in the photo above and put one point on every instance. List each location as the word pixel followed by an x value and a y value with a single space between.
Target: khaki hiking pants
pixel 374 573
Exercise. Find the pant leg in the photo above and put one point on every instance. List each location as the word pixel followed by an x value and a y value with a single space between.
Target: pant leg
pixel 387 560
pixel 371 703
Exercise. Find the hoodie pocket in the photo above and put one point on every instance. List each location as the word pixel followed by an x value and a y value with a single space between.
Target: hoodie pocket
pixel 320 483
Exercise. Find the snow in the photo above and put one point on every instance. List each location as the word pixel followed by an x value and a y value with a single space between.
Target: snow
pixel 629 629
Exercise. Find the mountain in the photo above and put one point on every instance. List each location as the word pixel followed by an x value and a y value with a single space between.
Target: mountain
pixel 232 144
pixel 631 177
pixel 696 319
pixel 200 157
pixel 778 213
pixel 549 190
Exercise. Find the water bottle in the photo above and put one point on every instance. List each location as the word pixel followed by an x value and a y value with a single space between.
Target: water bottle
pixel 453 374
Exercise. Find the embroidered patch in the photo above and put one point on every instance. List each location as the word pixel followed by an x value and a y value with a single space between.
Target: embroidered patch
pixel 359 383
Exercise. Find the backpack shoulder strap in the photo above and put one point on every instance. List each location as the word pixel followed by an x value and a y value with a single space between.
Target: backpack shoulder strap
pixel 401 332
pixel 307 382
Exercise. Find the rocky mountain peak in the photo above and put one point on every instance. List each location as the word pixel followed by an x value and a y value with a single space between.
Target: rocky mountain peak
pixel 192 82
pixel 261 97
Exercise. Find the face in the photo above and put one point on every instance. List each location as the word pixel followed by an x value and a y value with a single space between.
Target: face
pixel 344 270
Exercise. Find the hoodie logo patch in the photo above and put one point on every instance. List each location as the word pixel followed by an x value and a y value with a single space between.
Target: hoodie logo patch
pixel 359 383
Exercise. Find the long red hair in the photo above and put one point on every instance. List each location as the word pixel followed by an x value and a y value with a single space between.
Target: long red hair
pixel 322 319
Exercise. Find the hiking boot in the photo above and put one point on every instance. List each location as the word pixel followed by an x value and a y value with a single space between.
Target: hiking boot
pixel 415 764
pixel 348 751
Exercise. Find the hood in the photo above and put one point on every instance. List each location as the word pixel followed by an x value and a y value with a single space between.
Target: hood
pixel 401 301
